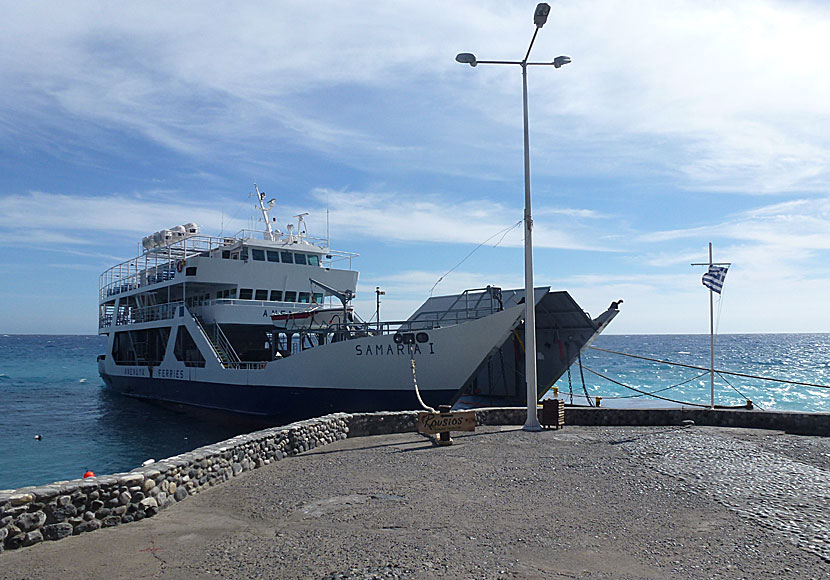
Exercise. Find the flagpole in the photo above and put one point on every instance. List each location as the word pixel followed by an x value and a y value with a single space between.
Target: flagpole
pixel 716 275
pixel 711 339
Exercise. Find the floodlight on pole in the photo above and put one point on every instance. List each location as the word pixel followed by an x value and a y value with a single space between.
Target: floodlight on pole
pixel 466 58
pixel 561 61
pixel 541 14
pixel 539 19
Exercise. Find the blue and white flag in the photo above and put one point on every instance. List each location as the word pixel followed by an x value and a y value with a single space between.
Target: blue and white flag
pixel 713 279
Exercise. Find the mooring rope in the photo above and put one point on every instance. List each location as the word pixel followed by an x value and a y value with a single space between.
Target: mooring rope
pixel 644 392
pixel 744 375
pixel 415 381
pixel 680 384
pixel 724 379
pixel 581 374
pixel 505 231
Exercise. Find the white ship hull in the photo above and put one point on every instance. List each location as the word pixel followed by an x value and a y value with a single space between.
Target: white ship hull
pixel 360 374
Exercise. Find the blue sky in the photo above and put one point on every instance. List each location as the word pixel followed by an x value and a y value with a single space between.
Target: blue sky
pixel 678 123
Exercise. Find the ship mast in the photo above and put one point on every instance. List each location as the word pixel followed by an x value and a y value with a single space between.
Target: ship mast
pixel 260 195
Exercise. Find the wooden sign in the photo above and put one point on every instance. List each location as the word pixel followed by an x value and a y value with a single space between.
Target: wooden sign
pixel 432 423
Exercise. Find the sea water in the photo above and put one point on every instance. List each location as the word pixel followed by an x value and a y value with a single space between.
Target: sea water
pixel 49 386
pixel 801 358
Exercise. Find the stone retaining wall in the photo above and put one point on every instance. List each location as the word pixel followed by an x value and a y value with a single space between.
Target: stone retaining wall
pixel 789 421
pixel 33 514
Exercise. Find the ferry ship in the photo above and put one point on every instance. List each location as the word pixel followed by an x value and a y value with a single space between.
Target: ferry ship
pixel 261 324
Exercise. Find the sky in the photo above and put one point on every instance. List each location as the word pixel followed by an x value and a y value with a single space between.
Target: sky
pixel 678 123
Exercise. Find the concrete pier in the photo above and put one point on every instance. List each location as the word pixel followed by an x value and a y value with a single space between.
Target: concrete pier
pixel 607 502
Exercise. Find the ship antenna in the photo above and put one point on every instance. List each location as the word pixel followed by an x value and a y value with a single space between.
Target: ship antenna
pixel 302 231
pixel 265 215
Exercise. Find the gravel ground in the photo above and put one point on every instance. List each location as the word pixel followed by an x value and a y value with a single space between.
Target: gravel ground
pixel 582 502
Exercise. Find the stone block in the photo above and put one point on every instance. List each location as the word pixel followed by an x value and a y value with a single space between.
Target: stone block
pixel 57 531
pixel 148 502
pixel 87 526
pixel 59 513
pixel 15 541
pixel 31 521
pixel 21 499
pixel 110 521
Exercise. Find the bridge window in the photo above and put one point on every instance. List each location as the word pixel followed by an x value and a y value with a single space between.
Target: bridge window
pixel 246 294
pixel 313 260
pixel 300 259
pixel 287 257
pixel 262 294
pixel 258 255
pixel 317 298
pixel 273 256
pixel 290 296
pixel 304 297
pixel 276 295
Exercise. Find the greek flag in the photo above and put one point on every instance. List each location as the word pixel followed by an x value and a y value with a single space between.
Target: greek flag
pixel 713 279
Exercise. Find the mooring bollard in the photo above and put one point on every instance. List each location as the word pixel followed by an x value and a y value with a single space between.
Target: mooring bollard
pixel 444 437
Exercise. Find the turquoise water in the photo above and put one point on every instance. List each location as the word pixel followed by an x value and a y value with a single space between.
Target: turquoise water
pixel 795 357
pixel 49 386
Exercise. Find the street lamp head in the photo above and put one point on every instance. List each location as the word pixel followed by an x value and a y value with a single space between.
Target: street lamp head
pixel 466 58
pixel 561 61
pixel 541 14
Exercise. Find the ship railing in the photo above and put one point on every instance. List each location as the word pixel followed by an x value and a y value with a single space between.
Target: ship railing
pixel 161 264
pixel 357 329
pixel 127 315
pixel 469 305
pixel 331 257
pixel 223 349
pixel 156 265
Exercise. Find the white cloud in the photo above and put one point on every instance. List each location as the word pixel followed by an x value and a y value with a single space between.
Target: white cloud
pixel 437 219
pixel 40 218
pixel 793 226
pixel 728 95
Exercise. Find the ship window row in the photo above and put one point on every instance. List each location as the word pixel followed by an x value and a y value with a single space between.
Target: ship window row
pixel 274 256
pixel 280 296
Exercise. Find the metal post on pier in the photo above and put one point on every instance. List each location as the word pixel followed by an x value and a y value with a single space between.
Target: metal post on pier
pixel 710 263
pixel 540 16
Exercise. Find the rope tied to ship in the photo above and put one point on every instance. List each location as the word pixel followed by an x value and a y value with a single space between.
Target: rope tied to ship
pixel 644 392
pixel 415 381
pixel 743 375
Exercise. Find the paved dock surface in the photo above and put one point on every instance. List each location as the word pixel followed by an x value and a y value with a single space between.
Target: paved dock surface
pixel 582 502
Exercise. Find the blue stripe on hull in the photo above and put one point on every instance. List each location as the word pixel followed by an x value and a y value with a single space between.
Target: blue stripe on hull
pixel 283 403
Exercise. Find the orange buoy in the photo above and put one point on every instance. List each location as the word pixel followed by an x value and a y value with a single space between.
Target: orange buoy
pixel 88 474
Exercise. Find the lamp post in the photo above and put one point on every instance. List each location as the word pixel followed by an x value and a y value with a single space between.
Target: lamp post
pixel 540 16
pixel 378 293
